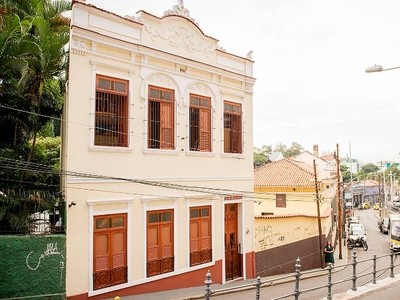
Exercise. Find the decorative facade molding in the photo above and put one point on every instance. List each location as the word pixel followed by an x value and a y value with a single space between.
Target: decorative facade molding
pixel 157 79
pixel 180 10
pixel 80 52
pixel 78 47
pixel 181 38
pixel 78 44
pixel 201 89
pixel 229 93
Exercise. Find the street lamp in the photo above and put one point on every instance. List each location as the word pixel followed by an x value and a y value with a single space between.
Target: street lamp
pixel 378 68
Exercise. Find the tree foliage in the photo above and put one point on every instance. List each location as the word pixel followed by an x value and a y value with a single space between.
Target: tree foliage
pixel 345 171
pixel 369 169
pixel 261 155
pixel 33 36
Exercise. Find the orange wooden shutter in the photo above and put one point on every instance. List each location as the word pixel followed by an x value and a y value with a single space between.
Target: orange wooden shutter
pixel 236 134
pixel 194 236
pixel 119 249
pixel 152 243
pixel 166 241
pixel 205 234
pixel 101 249
pixel 167 126
pixel 205 130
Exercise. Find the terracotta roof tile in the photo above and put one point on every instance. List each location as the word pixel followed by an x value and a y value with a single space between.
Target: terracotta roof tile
pixel 283 173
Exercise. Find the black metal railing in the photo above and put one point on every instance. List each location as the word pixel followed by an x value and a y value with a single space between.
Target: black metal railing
pixel 31 212
pixel 296 276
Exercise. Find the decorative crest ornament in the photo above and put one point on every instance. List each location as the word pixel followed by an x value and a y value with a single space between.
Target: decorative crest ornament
pixel 180 10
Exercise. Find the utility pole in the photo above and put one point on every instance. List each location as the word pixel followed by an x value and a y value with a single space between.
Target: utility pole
pixel 379 194
pixel 338 200
pixel 351 182
pixel 391 185
pixel 319 213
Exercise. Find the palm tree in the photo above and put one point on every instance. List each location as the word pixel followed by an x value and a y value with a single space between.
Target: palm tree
pixel 47 28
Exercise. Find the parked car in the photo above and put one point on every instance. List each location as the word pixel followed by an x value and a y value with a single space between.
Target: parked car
pixel 353 220
pixel 364 205
pixel 384 225
pixel 377 206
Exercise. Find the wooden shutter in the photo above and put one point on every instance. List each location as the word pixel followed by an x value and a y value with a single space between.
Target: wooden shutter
pixel 118 249
pixel 167 125
pixel 236 138
pixel 166 241
pixel 110 262
pixel 152 243
pixel 101 249
pixel 205 234
pixel 205 130
pixel 194 236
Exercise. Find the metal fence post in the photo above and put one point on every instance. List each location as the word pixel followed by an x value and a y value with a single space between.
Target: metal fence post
pixel 297 284
pixel 329 297
pixel 374 271
pixel 354 287
pixel 208 282
pixel 392 264
pixel 258 285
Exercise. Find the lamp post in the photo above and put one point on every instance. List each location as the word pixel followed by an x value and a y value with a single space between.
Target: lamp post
pixel 378 68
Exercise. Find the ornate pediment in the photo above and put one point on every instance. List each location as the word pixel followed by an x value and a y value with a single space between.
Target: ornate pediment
pixel 180 10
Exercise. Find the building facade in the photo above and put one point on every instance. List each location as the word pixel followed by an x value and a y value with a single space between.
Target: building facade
pixel 289 221
pixel 157 153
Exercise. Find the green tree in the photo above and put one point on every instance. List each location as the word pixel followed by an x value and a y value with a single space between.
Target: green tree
pixel 47 30
pixel 260 155
pixel 295 149
pixel 33 37
pixel 369 170
pixel 280 148
pixel 394 170
pixel 346 174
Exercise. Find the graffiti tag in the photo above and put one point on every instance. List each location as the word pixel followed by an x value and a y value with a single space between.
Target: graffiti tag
pixel 50 250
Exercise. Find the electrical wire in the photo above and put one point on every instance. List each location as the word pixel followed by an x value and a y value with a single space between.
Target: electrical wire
pixel 7 163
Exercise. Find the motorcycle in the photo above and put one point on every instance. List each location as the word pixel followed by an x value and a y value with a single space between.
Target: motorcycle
pixel 359 241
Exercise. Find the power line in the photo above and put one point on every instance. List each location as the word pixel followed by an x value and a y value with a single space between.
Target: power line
pixel 131 133
pixel 7 163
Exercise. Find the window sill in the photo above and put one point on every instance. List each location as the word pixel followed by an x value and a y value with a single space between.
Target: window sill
pixel 110 149
pixel 199 153
pixel 160 151
pixel 233 155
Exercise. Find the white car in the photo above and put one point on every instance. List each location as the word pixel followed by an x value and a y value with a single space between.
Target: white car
pixel 353 220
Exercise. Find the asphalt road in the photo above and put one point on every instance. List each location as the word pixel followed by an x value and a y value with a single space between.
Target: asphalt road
pixel 378 245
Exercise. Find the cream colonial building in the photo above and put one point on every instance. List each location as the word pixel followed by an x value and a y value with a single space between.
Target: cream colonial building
pixel 157 153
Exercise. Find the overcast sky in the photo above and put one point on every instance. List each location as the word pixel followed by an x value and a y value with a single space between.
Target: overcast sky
pixel 310 60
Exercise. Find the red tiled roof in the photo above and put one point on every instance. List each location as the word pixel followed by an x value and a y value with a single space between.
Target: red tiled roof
pixel 283 173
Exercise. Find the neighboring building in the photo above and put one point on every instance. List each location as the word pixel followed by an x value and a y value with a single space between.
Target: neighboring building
pixel 353 164
pixel 158 150
pixel 274 156
pixel 326 171
pixel 365 191
pixel 387 164
pixel 286 217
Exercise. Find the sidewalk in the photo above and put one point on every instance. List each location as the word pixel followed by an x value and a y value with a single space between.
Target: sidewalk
pixel 198 292
pixel 387 288
pixel 380 290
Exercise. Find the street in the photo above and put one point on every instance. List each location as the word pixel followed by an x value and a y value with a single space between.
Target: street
pixel 378 245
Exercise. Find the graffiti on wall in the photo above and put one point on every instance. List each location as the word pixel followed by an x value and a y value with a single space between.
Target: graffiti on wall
pixel 51 249
pixel 265 236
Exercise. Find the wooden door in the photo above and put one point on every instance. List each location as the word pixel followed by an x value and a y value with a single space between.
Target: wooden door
pixel 232 256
